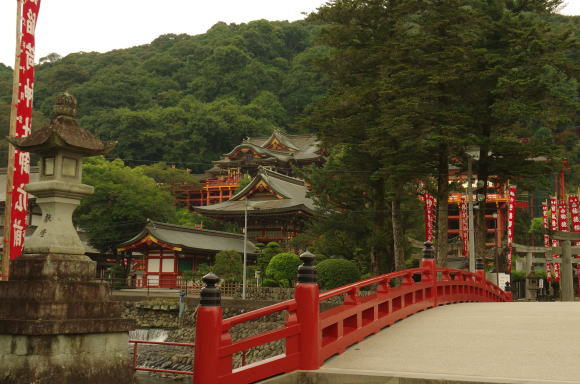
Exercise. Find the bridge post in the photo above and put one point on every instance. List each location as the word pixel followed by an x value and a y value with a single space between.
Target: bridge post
pixel 428 263
pixel 208 329
pixel 480 270
pixel 306 294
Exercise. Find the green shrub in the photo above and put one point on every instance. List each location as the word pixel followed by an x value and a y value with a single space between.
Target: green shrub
pixel 189 275
pixel 366 276
pixel 266 254
pixel 518 275
pixel 284 266
pixel 270 283
pixel 117 275
pixel 334 273
pixel 203 269
pixel 228 265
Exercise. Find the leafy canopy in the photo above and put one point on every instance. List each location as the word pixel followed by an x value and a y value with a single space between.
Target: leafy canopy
pixel 123 200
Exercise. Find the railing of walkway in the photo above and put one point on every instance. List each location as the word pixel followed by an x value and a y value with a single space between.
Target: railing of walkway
pixel 312 336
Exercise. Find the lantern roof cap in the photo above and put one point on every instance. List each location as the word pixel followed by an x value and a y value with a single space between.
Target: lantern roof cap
pixel 63 133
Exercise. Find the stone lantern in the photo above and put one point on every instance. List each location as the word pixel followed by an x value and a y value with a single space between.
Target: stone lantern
pixel 533 284
pixel 61 145
pixel 57 323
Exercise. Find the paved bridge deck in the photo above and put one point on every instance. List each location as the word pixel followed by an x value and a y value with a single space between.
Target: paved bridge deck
pixel 498 342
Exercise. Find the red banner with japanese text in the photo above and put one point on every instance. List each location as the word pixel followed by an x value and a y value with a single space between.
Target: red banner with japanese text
pixel 546 239
pixel 554 226
pixel 510 224
pixel 464 225
pixel 563 219
pixel 574 215
pixel 575 222
pixel 21 175
pixel 429 202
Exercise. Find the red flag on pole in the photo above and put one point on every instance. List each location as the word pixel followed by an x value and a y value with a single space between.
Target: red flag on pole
pixel 555 227
pixel 575 225
pixel 429 201
pixel 511 221
pixel 464 225
pixel 21 160
pixel 546 239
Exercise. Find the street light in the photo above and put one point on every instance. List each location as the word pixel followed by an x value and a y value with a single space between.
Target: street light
pixel 244 271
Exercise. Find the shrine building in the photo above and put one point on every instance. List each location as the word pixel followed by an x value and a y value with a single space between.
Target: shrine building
pixel 162 252
pixel 278 152
pixel 277 207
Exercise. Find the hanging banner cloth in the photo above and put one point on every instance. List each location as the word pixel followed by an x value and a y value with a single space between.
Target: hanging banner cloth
pixel 464 225
pixel 546 239
pixel 510 224
pixel 575 224
pixel 555 227
pixel 21 175
pixel 429 204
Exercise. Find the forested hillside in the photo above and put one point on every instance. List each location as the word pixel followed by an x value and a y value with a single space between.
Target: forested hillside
pixel 186 99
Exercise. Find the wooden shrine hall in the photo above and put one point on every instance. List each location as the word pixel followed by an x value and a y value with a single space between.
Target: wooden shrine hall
pixel 277 207
pixel 165 251
pixel 278 152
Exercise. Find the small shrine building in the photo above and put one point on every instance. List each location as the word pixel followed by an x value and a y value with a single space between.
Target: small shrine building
pixel 165 251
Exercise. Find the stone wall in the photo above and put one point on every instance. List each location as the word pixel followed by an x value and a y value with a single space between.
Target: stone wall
pixel 266 293
pixel 153 314
pixel 164 313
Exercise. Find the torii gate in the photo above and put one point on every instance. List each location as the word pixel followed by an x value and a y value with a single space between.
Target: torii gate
pixel 565 250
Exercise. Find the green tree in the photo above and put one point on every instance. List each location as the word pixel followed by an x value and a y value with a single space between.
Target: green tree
pixel 402 102
pixel 168 175
pixel 525 82
pixel 284 267
pixel 123 200
pixel 228 265
pixel 266 253
pixel 333 273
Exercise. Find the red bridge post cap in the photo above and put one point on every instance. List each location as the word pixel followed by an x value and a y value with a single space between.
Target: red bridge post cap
pixel 428 251
pixel 307 270
pixel 210 295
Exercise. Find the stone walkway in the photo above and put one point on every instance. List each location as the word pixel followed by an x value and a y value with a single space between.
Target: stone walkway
pixel 498 342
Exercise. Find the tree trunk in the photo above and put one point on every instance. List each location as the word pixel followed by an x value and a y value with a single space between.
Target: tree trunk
pixel 374 264
pixel 398 246
pixel 442 206
pixel 383 260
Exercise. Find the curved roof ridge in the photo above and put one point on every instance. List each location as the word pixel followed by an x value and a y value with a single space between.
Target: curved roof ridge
pixel 281 176
pixel 282 138
pixel 183 228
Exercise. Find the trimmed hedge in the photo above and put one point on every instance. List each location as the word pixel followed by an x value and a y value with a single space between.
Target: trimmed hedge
pixel 284 267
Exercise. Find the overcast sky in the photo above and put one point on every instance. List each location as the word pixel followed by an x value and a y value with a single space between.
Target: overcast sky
pixel 66 26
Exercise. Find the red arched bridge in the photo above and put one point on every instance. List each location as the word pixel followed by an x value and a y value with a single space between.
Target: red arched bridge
pixel 311 337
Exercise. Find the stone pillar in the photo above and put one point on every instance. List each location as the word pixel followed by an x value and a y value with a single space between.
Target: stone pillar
pixel 567 272
pixel 57 323
pixel 529 262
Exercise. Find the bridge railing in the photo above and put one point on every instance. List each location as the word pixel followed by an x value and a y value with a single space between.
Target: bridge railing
pixel 311 336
